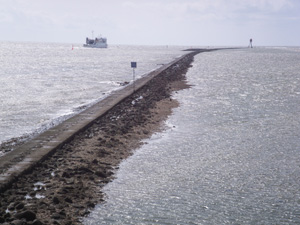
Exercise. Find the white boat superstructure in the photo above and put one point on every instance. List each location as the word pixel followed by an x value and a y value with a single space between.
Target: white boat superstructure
pixel 99 42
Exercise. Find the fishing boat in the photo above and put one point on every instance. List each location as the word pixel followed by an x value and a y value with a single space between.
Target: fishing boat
pixel 98 42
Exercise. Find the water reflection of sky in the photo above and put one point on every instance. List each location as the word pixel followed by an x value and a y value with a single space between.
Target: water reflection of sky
pixel 44 83
pixel 233 155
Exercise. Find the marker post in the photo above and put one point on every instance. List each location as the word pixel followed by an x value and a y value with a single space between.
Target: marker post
pixel 133 66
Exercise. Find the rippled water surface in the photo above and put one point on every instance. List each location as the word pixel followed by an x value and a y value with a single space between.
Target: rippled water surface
pixel 43 83
pixel 231 154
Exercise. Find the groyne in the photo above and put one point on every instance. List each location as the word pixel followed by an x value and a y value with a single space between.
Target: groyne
pixel 57 176
pixel 22 159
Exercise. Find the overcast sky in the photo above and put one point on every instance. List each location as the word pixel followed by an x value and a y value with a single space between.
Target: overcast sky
pixel 153 22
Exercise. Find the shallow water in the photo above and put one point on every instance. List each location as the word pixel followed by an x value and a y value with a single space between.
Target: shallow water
pixel 231 153
pixel 44 83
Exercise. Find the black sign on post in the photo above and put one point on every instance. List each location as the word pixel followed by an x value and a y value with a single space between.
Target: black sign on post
pixel 133 64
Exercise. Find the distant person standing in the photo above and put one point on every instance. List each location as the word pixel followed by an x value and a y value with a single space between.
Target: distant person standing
pixel 250 45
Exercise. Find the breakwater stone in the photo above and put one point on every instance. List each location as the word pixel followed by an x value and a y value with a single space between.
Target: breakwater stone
pixel 71 165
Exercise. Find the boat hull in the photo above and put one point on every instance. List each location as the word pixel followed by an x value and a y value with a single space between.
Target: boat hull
pixel 95 46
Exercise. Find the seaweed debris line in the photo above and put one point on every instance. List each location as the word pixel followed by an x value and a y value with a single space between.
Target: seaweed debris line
pixel 57 177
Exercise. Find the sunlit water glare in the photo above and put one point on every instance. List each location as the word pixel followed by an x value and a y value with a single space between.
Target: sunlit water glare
pixel 42 83
pixel 231 154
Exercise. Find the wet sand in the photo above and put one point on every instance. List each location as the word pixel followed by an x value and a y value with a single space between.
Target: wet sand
pixel 67 185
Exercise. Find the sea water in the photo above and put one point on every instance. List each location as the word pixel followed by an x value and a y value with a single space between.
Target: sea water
pixel 231 153
pixel 42 84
